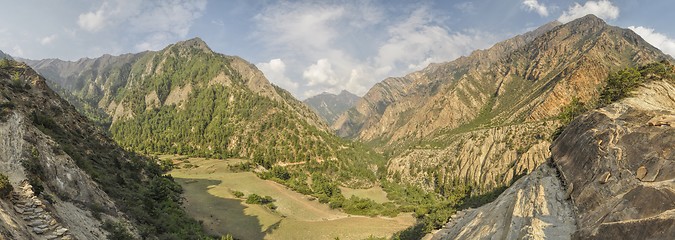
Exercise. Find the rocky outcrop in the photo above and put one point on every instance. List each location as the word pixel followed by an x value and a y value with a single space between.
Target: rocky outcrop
pixel 534 207
pixel 485 158
pixel 620 167
pixel 611 175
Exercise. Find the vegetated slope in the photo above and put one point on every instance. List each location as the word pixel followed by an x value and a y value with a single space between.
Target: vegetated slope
pixel 610 175
pixel 329 106
pixel 70 179
pixel 483 119
pixel 187 99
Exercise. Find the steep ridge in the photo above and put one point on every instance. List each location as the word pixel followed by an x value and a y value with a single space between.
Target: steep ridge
pixel 611 175
pixel 329 106
pixel 71 181
pixel 427 118
pixel 394 96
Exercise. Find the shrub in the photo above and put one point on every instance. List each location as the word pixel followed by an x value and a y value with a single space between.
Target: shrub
pixel 257 199
pixel 237 194
pixel 5 186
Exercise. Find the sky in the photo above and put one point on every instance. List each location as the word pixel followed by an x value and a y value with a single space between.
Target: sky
pixel 309 47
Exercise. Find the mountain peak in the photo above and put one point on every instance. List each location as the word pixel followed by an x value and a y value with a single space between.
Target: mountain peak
pixel 194 43
pixel 346 93
pixel 588 20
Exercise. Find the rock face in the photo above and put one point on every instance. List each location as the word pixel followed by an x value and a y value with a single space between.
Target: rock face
pixel 622 167
pixel 515 85
pixel 611 175
pixel 329 106
pixel 534 207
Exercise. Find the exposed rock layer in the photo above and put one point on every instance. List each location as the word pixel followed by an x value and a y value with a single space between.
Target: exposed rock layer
pixel 615 179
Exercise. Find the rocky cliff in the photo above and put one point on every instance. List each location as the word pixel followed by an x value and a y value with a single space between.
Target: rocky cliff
pixel 424 120
pixel 66 178
pixel 330 106
pixel 611 175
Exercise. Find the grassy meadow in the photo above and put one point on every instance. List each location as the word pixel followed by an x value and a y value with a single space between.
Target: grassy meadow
pixel 209 186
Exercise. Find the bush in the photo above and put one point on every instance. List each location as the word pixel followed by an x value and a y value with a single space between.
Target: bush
pixel 622 83
pixel 116 231
pixel 237 194
pixel 5 186
pixel 257 199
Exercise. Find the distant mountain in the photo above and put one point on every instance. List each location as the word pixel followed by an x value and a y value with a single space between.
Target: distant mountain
pixel 329 106
pixel 5 56
pixel 485 119
pixel 64 178
pixel 187 99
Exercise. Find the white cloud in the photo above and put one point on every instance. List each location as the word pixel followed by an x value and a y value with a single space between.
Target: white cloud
pixel 351 46
pixel 603 9
pixel 275 71
pixel 17 51
pixel 163 21
pixel 418 41
pixel 48 39
pixel 302 26
pixel 320 73
pixel 661 41
pixel 534 5
pixel 93 21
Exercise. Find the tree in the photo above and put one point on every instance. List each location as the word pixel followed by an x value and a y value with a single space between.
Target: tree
pixel 5 186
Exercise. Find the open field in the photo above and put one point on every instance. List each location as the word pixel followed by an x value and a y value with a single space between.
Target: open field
pixel 375 193
pixel 208 196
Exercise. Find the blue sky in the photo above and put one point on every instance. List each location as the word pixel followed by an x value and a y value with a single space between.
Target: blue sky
pixel 309 47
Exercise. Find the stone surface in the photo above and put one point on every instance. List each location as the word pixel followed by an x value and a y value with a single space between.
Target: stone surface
pixel 631 150
pixel 534 207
